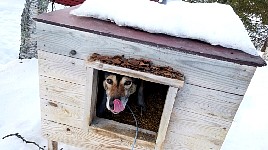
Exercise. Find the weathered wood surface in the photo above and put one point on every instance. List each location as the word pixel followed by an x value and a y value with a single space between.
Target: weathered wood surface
pixel 203 110
pixel 91 96
pixel 125 130
pixel 200 71
pixel 192 97
pixel 164 122
pixel 62 91
pixel 94 139
pixel 208 102
pixel 193 131
pixel 62 67
pixel 62 113
pixel 136 74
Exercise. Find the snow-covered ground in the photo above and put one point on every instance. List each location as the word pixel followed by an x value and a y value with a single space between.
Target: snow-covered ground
pixel 10 12
pixel 19 96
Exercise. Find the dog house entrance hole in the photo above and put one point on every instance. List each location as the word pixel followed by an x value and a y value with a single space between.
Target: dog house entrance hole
pixel 159 95
pixel 149 119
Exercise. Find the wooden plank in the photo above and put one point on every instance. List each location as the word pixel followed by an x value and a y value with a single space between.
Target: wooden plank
pixel 208 102
pixel 61 113
pixel 93 139
pixel 62 91
pixel 184 142
pixel 62 67
pixel 164 122
pixel 52 145
pixel 201 71
pixel 91 96
pixel 196 131
pixel 136 74
pixel 123 130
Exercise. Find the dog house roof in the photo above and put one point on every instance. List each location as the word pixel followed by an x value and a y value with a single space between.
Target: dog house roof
pixel 105 28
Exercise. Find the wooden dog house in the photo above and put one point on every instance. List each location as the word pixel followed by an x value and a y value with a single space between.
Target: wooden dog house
pixel 198 111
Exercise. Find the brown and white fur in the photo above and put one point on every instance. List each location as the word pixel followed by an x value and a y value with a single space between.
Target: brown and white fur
pixel 118 87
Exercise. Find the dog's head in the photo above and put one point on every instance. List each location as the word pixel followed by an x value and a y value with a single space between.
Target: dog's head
pixel 118 89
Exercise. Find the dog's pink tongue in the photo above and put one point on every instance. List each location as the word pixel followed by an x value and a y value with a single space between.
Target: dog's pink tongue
pixel 118 106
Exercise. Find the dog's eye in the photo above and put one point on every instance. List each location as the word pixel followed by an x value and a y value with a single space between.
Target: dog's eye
pixel 128 82
pixel 109 81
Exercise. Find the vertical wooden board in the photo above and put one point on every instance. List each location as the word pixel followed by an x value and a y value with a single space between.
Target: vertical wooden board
pixel 92 139
pixel 62 67
pixel 62 113
pixel 164 122
pixel 62 91
pixel 91 96
pixel 209 102
pixel 201 71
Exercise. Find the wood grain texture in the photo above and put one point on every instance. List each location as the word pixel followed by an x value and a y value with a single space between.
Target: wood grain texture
pixel 195 131
pixel 201 71
pixel 124 129
pixel 94 139
pixel 136 74
pixel 62 113
pixel 62 91
pixel 164 122
pixel 208 102
pixel 91 96
pixel 62 67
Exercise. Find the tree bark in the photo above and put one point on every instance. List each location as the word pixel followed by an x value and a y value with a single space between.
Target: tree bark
pixel 28 47
pixel 265 50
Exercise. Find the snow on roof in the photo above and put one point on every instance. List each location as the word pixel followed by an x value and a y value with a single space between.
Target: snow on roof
pixel 214 23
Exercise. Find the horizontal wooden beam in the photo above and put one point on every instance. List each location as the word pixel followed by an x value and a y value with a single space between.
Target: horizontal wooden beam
pixel 136 74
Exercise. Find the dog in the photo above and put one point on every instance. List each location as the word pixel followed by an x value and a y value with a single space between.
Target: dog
pixel 117 89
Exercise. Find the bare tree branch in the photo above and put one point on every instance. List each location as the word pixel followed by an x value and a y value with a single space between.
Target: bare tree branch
pixel 22 138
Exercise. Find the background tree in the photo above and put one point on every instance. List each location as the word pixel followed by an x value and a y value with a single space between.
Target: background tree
pixel 28 27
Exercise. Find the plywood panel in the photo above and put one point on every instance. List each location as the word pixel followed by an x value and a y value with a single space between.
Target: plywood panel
pixel 62 67
pixel 62 91
pixel 93 139
pixel 205 72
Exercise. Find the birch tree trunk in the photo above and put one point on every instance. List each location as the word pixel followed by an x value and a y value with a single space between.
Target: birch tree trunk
pixel 28 27
pixel 265 50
